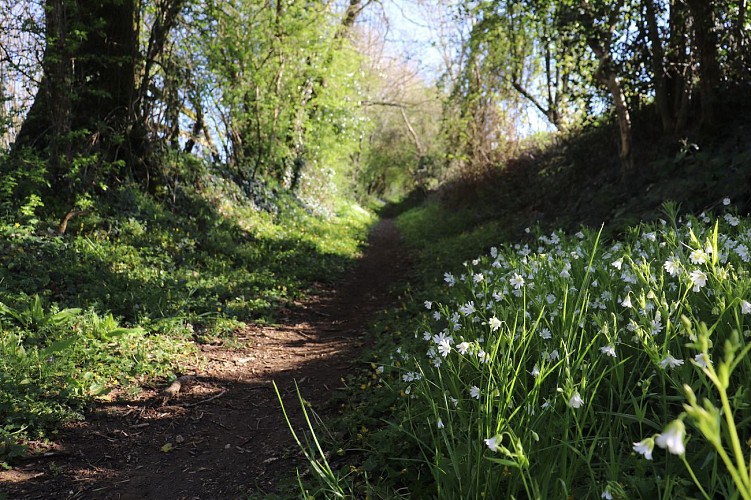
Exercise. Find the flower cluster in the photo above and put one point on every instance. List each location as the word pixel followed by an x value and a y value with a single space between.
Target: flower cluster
pixel 537 335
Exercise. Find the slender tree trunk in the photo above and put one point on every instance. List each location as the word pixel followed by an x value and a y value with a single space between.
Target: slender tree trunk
pixel 599 43
pixel 610 80
pixel 740 30
pixel 662 96
pixel 678 66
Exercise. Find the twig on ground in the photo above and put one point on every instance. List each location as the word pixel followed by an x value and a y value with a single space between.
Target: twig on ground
pixel 215 396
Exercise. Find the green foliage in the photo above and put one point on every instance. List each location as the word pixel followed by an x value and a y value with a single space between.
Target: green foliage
pixel 122 297
pixel 289 83
pixel 54 362
pixel 561 365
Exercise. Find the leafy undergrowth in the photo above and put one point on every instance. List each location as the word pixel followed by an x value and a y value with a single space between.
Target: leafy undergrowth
pixel 595 361
pixel 562 366
pixel 121 298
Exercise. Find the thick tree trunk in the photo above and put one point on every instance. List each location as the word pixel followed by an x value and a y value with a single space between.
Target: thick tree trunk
pixel 50 114
pixel 84 102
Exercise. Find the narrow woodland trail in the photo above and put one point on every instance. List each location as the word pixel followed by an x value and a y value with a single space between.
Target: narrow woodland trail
pixel 225 428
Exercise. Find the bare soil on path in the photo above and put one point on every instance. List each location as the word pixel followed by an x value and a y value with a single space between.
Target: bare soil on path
pixel 223 435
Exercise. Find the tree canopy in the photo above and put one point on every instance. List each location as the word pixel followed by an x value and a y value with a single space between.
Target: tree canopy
pixel 306 96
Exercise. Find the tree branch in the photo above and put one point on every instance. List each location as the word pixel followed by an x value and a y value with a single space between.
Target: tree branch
pixel 412 132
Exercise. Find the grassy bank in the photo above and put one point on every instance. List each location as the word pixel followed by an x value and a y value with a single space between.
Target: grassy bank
pixel 567 333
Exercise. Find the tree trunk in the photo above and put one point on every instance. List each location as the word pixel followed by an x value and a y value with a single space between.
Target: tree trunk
pixel 659 81
pixel 600 43
pixel 84 102
pixel 49 116
pixel 611 82
pixel 705 40
pixel 678 65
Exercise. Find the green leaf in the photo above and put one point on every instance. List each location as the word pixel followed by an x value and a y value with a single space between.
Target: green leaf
pixel 65 316
pixel 58 346
pixel 8 311
pixel 98 389
pixel 119 332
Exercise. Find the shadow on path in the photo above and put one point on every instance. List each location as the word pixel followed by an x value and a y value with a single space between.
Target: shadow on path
pixel 223 435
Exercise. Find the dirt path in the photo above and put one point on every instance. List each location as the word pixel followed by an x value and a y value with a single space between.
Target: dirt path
pixel 225 429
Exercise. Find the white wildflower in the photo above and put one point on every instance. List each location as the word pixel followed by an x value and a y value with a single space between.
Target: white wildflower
pixel 444 347
pixel 463 347
pixel 645 447
pixel 474 391
pixel 701 360
pixel 732 220
pixel 698 257
pixel 494 443
pixel 670 362
pixel 672 266
pixel 494 323
pixel 656 324
pixel 672 438
pixel 742 251
pixel 698 279
pixel 443 336
pixel 467 308
pixel 576 400
pixel 517 281
pixel 608 350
